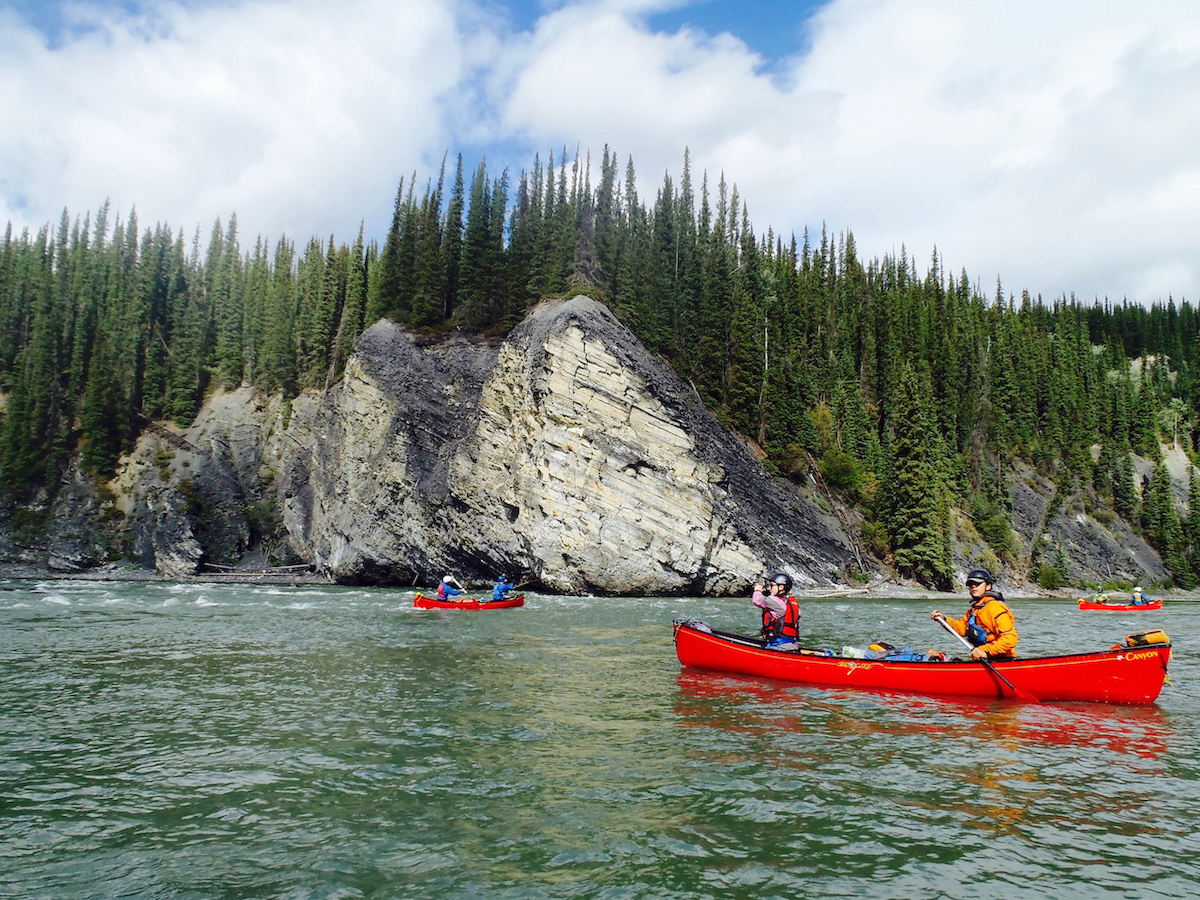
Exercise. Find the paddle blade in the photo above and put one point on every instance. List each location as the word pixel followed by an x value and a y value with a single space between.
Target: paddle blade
pixel 1020 694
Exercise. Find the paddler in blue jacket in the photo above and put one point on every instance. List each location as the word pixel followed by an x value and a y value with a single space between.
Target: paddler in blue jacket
pixel 500 591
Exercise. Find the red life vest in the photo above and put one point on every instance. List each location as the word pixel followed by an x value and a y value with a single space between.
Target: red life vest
pixel 786 626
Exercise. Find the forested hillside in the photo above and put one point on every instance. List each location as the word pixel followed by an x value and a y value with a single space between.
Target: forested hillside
pixel 909 391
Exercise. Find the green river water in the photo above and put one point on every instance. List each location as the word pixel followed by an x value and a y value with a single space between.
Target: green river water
pixel 229 741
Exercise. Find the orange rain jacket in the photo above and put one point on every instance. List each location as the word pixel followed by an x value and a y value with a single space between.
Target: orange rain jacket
pixel 994 616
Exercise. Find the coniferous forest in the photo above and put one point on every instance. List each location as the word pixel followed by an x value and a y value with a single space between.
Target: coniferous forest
pixel 907 389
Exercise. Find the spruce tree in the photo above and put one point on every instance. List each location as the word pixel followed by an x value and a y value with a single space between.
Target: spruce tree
pixel 279 336
pixel 389 297
pixel 498 292
pixel 476 261
pixel 225 298
pixel 1191 524
pixel 452 242
pixel 311 364
pixel 430 305
pixel 350 323
pixel 745 363
pixel 716 307
pixel 914 507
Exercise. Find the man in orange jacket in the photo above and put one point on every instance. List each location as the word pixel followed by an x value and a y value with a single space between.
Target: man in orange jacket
pixel 989 624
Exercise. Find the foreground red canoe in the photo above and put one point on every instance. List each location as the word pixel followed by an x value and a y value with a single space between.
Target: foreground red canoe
pixel 1118 607
pixel 1126 674
pixel 422 602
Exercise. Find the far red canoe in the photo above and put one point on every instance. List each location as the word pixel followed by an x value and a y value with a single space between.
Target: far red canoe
pixel 1124 674
pixel 422 602
pixel 1118 607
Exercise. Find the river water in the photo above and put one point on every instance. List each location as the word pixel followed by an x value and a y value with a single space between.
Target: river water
pixel 220 740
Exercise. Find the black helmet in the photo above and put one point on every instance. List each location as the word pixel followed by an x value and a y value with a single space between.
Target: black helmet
pixel 781 578
pixel 979 575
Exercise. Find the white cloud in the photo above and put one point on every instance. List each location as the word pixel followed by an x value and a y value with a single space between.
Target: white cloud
pixel 299 116
pixel 1049 144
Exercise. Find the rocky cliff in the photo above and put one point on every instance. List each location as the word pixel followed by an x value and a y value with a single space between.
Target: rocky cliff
pixel 564 455
pixel 1085 542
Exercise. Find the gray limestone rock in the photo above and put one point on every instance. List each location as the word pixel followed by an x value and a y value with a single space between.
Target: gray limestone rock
pixel 567 455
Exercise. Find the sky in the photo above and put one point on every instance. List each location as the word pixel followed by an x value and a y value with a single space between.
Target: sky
pixel 1051 146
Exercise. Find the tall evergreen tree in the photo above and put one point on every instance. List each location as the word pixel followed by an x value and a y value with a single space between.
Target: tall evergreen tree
pixel 914 507
pixel 452 242
pixel 350 322
pixel 746 364
pixel 474 290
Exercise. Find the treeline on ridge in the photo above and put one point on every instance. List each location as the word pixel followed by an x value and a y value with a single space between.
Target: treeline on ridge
pixel 909 393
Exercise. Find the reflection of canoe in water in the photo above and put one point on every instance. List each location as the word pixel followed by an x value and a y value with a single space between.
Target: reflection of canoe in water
pixel 1118 607
pixel 422 602
pixel 1143 729
pixel 1125 674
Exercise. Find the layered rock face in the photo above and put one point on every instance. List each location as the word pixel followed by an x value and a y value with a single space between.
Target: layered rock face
pixel 566 455
pixel 575 454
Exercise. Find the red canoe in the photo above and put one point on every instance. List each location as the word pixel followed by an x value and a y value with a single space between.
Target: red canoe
pixel 1118 607
pixel 422 602
pixel 1121 675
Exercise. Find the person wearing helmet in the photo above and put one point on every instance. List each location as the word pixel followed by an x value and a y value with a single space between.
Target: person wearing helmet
pixel 989 624
pixel 500 591
pixel 448 588
pixel 780 612
pixel 1137 598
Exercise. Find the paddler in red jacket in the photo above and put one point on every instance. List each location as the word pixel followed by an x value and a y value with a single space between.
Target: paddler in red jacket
pixel 989 624
pixel 781 612
pixel 449 588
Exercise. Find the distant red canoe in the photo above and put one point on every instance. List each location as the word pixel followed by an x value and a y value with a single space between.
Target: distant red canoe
pixel 1118 607
pixel 422 602
pixel 1126 674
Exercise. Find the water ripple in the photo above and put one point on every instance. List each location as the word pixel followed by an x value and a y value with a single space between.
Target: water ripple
pixel 231 740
